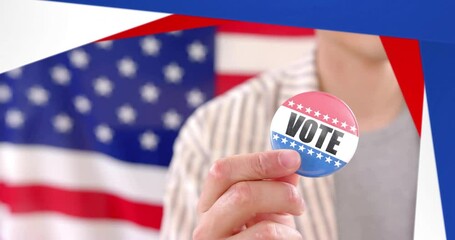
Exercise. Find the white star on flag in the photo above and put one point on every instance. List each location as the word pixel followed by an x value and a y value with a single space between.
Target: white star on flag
pixel 308 110
pixel 38 96
pixel 14 118
pixel 301 148
pixel 310 152
pixel 299 107
pixel 175 33
pixel 109 107
pixel 334 121
pixel 353 129
pixel 127 67
pixel 293 144
pixel 103 86
pixel 328 159
pixel 284 140
pixel 317 113
pixel 197 51
pixel 344 125
pixel 149 93
pixel 62 123
pixel 60 74
pixel 149 140
pixel 15 73
pixel 326 117
pixel 79 58
pixel 291 103
pixel 194 98
pixel 337 164
pixel 106 45
pixel 276 137
pixel 82 104
pixel 172 120
pixel 5 93
pixel 104 133
pixel 319 155
pixel 126 114
pixel 173 73
pixel 150 46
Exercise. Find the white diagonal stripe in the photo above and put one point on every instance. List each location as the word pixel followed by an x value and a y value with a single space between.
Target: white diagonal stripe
pixel 52 27
pixel 429 219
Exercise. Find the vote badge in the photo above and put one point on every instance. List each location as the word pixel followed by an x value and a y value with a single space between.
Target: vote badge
pixel 320 127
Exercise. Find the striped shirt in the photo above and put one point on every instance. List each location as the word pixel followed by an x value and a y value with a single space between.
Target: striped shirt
pixel 236 123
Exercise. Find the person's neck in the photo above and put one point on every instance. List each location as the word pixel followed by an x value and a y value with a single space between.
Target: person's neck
pixel 368 87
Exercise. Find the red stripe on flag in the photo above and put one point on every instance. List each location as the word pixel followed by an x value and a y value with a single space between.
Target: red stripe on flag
pixel 404 55
pixel 84 204
pixel 265 29
pixel 224 82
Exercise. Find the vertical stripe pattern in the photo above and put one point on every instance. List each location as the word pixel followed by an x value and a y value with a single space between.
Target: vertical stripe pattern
pixel 235 123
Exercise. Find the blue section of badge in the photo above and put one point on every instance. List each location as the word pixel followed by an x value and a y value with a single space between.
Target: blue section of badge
pixel 425 20
pixel 315 163
pixel 438 61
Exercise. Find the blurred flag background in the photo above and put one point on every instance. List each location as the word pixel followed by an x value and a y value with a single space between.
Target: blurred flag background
pixel 86 136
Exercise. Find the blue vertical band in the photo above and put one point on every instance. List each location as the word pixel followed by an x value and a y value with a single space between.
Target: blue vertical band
pixel 438 66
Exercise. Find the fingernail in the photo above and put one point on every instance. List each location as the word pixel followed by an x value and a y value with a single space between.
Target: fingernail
pixel 289 159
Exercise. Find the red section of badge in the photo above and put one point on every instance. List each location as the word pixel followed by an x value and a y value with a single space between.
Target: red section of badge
pixel 326 108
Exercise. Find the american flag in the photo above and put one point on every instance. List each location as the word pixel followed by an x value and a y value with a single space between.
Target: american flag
pixel 86 136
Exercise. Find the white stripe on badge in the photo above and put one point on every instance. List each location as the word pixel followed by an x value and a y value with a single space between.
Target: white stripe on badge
pixel 344 151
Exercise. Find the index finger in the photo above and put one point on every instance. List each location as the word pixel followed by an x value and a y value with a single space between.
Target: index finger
pixel 249 167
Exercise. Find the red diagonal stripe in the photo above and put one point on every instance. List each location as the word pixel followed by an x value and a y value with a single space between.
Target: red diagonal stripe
pixel 168 24
pixel 84 204
pixel 180 22
pixel 404 55
pixel 265 29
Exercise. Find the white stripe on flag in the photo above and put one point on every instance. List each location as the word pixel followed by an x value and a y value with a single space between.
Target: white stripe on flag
pixel 54 226
pixel 429 219
pixel 251 54
pixel 33 164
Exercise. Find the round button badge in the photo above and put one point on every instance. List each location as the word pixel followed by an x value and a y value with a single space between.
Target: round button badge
pixel 320 127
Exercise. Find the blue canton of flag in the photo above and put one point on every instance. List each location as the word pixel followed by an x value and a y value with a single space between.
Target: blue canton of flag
pixel 125 98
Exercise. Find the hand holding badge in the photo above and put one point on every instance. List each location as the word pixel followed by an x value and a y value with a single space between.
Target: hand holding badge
pixel 320 127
